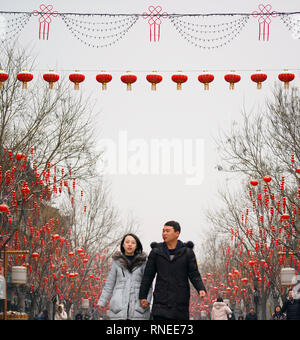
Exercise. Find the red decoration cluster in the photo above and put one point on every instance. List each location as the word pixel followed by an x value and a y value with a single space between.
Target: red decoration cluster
pixel 154 78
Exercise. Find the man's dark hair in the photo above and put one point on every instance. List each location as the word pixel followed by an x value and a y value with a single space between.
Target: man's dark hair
pixel 173 224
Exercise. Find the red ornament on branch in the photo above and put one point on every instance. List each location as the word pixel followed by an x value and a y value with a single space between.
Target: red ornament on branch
pixel 267 179
pixel 179 79
pixel 4 208
pixel 3 77
pixel 76 78
pixel 24 77
pixel 154 79
pixel 254 182
pixel 104 78
pixel 51 77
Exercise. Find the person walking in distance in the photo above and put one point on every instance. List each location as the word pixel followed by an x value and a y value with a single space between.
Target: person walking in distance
pixel 220 311
pixel 123 282
pixel 291 307
pixel 174 264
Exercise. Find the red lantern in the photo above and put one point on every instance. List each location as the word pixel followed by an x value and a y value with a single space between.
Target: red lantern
pixel 4 208
pixel 267 179
pixel 254 182
pixel 232 78
pixel 286 78
pixel 104 78
pixel 206 78
pixel 76 78
pixel 3 77
pixel 259 78
pixel 298 170
pixel 179 79
pixel 285 217
pixel 35 255
pixel 128 79
pixel 24 77
pixel 20 156
pixel 51 78
pixel 154 79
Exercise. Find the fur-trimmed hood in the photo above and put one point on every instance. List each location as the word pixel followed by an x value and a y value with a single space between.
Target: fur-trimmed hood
pixel 138 260
pixel 188 244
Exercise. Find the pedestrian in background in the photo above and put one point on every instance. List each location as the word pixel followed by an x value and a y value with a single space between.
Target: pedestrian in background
pixel 291 307
pixel 251 315
pixel 220 311
pixel 60 313
pixel 278 315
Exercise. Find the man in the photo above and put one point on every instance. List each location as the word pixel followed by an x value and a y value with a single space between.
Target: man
pixel 291 307
pixel 174 263
pixel 251 315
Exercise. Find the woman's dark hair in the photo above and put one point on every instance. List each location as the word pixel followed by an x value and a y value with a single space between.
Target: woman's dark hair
pixel 276 308
pixel 219 299
pixel 173 224
pixel 139 247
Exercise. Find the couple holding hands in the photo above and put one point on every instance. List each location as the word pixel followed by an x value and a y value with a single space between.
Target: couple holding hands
pixel 129 282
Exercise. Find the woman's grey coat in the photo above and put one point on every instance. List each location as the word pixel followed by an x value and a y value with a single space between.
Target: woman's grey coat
pixel 123 285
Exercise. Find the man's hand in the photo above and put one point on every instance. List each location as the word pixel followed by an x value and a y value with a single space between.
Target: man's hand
pixel 144 303
pixel 202 293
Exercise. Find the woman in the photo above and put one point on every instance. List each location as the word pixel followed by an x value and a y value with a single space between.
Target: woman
pixel 278 315
pixel 61 313
pixel 124 280
pixel 220 310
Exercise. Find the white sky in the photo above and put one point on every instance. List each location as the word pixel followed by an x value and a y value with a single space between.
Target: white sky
pixel 167 113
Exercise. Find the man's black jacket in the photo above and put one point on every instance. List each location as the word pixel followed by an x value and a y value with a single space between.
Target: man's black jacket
pixel 172 290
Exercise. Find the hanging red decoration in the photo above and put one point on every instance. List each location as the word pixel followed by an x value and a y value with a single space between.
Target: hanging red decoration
pixel 51 77
pixel 154 19
pixel 206 79
pixel 154 79
pixel 285 217
pixel 267 179
pixel 20 156
pixel 179 79
pixel 3 77
pixel 104 78
pixel 232 78
pixel 35 255
pixel 76 78
pixel 286 77
pixel 24 77
pixel 45 12
pixel 254 182
pixel 259 78
pixel 128 79
pixel 4 208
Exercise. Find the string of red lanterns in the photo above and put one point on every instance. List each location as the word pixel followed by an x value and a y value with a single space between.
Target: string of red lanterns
pixel 154 78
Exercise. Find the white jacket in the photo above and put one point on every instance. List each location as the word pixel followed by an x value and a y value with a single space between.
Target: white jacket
pixel 123 286
pixel 220 311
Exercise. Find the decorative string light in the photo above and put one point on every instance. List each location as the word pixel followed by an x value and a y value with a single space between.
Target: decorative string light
pixel 79 30
pixel 206 38
pixel 16 24
pixel 293 24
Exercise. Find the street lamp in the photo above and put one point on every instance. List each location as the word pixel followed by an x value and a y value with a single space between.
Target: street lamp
pixel 5 253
